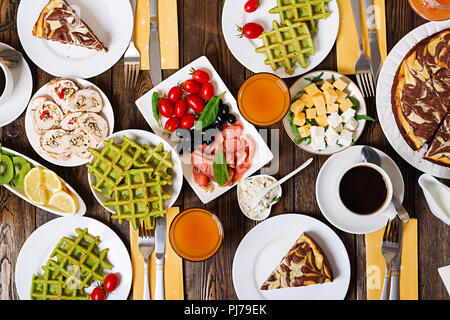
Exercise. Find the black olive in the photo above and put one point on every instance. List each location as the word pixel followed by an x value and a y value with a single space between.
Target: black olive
pixel 231 118
pixel 220 119
pixel 225 109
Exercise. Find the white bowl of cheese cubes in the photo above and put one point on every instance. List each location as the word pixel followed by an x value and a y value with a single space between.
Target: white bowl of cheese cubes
pixel 327 113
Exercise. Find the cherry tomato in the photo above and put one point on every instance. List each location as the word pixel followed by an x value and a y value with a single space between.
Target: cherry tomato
pixel 188 121
pixel 175 94
pixel 207 91
pixel 98 294
pixel 250 30
pixel 181 108
pixel 251 5
pixel 191 86
pixel 200 76
pixel 111 282
pixel 165 107
pixel 172 124
pixel 195 103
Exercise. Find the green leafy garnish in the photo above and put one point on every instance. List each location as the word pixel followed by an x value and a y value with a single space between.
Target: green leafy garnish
pixel 364 117
pixel 209 113
pixel 355 102
pixel 220 168
pixel 315 79
pixel 155 100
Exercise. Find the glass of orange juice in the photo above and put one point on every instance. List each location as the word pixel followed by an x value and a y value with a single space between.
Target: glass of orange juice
pixel 437 10
pixel 264 99
pixel 196 234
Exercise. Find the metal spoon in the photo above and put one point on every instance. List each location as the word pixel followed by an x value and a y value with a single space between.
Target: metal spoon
pixel 10 58
pixel 371 156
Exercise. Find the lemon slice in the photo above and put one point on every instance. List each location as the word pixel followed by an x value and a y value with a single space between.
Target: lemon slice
pixel 32 187
pixel 64 202
pixel 51 181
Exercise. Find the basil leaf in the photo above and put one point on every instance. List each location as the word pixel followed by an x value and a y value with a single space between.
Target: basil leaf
pixel 209 113
pixel 155 100
pixel 220 168
pixel 363 117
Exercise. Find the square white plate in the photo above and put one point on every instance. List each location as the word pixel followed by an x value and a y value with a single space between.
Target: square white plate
pixel 262 155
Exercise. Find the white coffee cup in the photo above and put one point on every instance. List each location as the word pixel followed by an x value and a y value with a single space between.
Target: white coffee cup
pixel 9 84
pixel 387 208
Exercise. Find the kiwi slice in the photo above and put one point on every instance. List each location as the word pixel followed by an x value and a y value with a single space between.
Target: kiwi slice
pixel 19 163
pixel 23 173
pixel 6 169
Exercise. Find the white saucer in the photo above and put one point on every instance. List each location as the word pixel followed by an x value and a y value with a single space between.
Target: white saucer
pixel 23 87
pixel 262 249
pixel 326 191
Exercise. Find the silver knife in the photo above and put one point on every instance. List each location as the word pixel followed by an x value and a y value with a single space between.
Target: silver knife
pixel 375 57
pixel 154 50
pixel 401 211
pixel 160 249
pixel 395 268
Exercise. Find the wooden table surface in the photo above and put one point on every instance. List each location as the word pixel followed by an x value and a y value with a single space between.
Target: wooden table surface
pixel 200 33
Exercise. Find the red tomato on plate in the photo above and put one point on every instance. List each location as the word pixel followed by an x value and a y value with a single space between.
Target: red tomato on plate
pixel 181 108
pixel 195 103
pixel 251 5
pixel 192 86
pixel 207 91
pixel 250 30
pixel 165 107
pixel 172 124
pixel 200 76
pixel 98 294
pixel 188 121
pixel 111 282
pixel 175 94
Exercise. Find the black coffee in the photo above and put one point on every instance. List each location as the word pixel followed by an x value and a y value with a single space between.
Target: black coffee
pixel 2 81
pixel 363 190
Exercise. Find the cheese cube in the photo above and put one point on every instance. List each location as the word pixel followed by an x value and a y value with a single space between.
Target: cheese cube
pixel 317 132
pixel 326 85
pixel 340 84
pixel 312 90
pixel 299 119
pixel 331 136
pixel 345 138
pixel 334 119
pixel 321 110
pixel 332 108
pixel 347 115
pixel 341 96
pixel 330 96
pixel 311 113
pixel 318 144
pixel 307 99
pixel 298 106
pixel 319 101
pixel 322 120
pixel 305 131
pixel 351 124
pixel 347 104
pixel 338 128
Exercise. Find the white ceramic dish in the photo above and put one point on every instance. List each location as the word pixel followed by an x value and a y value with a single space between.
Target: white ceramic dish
pixel 267 211
pixel 37 249
pixel 243 49
pixel 144 137
pixel 262 249
pixel 262 155
pixel 437 195
pixel 81 205
pixel 111 22
pixel 327 184
pixel 23 86
pixel 384 106
pixel 352 90
pixel 107 113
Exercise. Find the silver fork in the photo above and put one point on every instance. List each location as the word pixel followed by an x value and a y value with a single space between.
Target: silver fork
pixel 363 72
pixel 132 60
pixel 389 250
pixel 146 242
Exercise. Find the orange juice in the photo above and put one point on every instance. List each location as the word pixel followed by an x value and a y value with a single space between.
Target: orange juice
pixel 264 99
pixel 431 9
pixel 196 234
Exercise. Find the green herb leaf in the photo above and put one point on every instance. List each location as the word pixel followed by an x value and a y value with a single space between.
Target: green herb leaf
pixel 220 168
pixel 333 78
pixel 355 102
pixel 209 113
pixel 315 79
pixel 155 100
pixel 294 128
pixel 363 117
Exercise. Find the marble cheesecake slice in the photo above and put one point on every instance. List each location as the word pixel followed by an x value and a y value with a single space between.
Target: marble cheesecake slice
pixel 305 264
pixel 59 22
pixel 439 150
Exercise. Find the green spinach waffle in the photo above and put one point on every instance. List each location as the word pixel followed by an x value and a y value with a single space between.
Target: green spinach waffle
pixel 309 11
pixel 74 264
pixel 286 45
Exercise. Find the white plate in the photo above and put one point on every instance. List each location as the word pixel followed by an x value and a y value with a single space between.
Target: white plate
pixel 144 137
pixel 262 155
pixel 107 113
pixel 262 249
pixel 23 87
pixel 326 191
pixel 352 90
pixel 111 22
pixel 384 106
pixel 40 244
pixel 243 49
pixel 81 205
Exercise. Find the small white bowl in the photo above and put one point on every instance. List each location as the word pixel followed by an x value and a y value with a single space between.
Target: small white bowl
pixel 266 212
